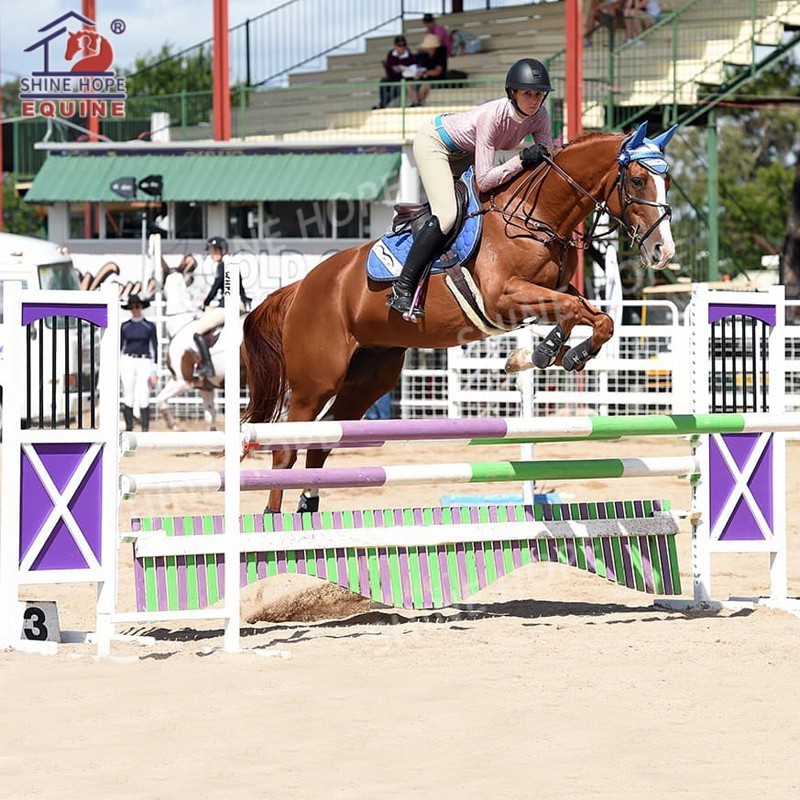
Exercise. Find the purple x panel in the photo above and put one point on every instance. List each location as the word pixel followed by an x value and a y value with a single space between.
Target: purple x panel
pixel 60 462
pixel 741 525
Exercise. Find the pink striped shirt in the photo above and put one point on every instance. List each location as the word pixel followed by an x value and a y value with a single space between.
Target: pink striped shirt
pixel 494 126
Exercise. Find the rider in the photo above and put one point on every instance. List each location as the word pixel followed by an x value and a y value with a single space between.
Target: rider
pixel 217 248
pixel 446 146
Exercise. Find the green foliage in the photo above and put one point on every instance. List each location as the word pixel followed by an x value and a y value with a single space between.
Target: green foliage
pixel 18 216
pixel 757 150
pixel 11 101
pixel 165 72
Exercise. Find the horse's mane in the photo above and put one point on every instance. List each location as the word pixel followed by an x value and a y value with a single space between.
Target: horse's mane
pixel 588 136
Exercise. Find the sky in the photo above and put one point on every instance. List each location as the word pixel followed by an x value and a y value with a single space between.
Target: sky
pixel 148 25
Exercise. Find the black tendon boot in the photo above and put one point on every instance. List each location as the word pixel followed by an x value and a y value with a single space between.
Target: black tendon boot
pixel 207 368
pixel 144 418
pixel 427 245
pixel 127 413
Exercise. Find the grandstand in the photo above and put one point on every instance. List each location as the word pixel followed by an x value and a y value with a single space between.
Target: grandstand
pixel 693 48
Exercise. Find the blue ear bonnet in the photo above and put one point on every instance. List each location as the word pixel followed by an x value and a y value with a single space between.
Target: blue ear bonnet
pixel 648 152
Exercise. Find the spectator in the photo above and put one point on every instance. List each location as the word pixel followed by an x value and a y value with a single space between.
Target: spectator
pixel 138 359
pixel 431 64
pixel 639 15
pixel 214 316
pixel 448 144
pixel 439 30
pixel 601 12
pixel 399 60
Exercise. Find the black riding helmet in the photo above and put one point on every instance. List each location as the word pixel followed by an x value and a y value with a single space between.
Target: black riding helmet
pixel 528 74
pixel 219 243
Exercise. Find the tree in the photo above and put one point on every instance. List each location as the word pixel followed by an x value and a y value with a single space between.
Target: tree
pixel 791 245
pixel 757 139
pixel 166 72
pixel 20 217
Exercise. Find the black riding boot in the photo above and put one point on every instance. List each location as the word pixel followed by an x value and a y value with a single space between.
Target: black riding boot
pixel 127 413
pixel 427 245
pixel 144 418
pixel 207 368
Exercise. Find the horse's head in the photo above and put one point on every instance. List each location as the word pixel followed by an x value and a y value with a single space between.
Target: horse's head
pixel 641 200
pixel 76 41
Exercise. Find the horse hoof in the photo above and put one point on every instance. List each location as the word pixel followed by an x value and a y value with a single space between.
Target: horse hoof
pixel 307 504
pixel 519 361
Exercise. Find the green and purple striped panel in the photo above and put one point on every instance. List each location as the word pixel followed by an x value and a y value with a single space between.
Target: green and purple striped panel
pixel 412 576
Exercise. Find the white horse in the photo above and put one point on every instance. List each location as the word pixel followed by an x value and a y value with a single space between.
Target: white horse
pixel 183 361
pixel 183 357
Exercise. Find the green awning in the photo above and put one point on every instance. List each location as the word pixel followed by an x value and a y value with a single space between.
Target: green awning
pixel 219 178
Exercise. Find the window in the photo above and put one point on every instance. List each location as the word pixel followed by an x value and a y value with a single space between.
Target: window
pixel 190 221
pixel 242 221
pixel 124 220
pixel 351 219
pixel 304 220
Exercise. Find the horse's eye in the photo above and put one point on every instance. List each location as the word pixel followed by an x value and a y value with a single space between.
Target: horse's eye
pixel 638 183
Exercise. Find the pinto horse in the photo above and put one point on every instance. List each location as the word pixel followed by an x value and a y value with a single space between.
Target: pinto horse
pixel 331 341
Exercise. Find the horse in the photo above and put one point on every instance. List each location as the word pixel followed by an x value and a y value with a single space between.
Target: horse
pixel 183 357
pixel 330 340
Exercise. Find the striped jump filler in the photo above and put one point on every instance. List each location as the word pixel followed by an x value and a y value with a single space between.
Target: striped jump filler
pixel 407 575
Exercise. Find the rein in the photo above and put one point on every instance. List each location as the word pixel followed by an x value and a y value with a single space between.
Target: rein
pixel 541 231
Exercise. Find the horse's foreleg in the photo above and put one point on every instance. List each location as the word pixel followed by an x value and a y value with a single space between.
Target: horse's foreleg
pixel 565 310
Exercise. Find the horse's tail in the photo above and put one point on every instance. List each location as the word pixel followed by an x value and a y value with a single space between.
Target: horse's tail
pixel 262 349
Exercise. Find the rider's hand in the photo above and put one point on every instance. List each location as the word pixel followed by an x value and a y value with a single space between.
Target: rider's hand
pixel 533 156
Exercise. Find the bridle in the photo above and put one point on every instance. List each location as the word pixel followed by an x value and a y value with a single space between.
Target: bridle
pixel 521 223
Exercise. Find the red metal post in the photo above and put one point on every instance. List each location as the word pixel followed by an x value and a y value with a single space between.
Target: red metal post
pixel 574 24
pixel 221 92
pixel 89 11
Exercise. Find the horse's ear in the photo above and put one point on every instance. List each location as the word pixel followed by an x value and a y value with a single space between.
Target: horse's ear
pixel 637 140
pixel 662 140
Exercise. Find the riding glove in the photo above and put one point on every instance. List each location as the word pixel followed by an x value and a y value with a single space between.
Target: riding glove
pixel 533 156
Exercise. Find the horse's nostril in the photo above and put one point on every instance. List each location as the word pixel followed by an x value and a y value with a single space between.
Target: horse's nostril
pixel 658 252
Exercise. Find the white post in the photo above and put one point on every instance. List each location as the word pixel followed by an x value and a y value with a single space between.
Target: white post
pixel 13 339
pixel 108 428
pixel 233 339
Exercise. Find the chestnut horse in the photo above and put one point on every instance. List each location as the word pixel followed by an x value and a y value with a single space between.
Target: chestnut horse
pixel 331 340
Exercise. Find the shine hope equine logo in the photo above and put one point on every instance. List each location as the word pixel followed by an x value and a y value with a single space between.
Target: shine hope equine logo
pixel 86 85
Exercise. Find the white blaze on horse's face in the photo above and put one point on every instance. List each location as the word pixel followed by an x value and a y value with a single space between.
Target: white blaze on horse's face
pixel 660 244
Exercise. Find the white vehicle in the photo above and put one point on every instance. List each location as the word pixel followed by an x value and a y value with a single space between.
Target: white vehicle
pixel 40 264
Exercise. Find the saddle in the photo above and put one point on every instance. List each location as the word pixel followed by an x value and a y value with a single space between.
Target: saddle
pixel 410 217
pixel 386 257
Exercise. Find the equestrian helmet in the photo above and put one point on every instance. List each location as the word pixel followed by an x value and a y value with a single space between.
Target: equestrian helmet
pixel 528 74
pixel 219 243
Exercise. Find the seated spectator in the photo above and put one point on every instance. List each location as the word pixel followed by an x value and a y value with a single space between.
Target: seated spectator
pixel 398 60
pixel 438 30
pixel 601 12
pixel 431 64
pixel 639 15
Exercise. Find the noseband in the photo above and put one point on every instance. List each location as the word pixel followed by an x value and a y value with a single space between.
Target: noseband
pixel 541 231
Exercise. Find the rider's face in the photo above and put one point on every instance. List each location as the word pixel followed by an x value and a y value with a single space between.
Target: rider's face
pixel 528 101
pixel 215 253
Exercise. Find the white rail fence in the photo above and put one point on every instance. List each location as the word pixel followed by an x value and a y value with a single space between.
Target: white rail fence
pixel 642 371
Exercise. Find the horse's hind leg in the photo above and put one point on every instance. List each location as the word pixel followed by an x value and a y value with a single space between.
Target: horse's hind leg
pixel 371 374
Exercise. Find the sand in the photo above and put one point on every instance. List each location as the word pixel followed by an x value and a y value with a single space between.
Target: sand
pixel 551 683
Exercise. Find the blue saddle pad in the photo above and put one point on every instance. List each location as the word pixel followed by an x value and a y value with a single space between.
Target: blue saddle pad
pixel 388 254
